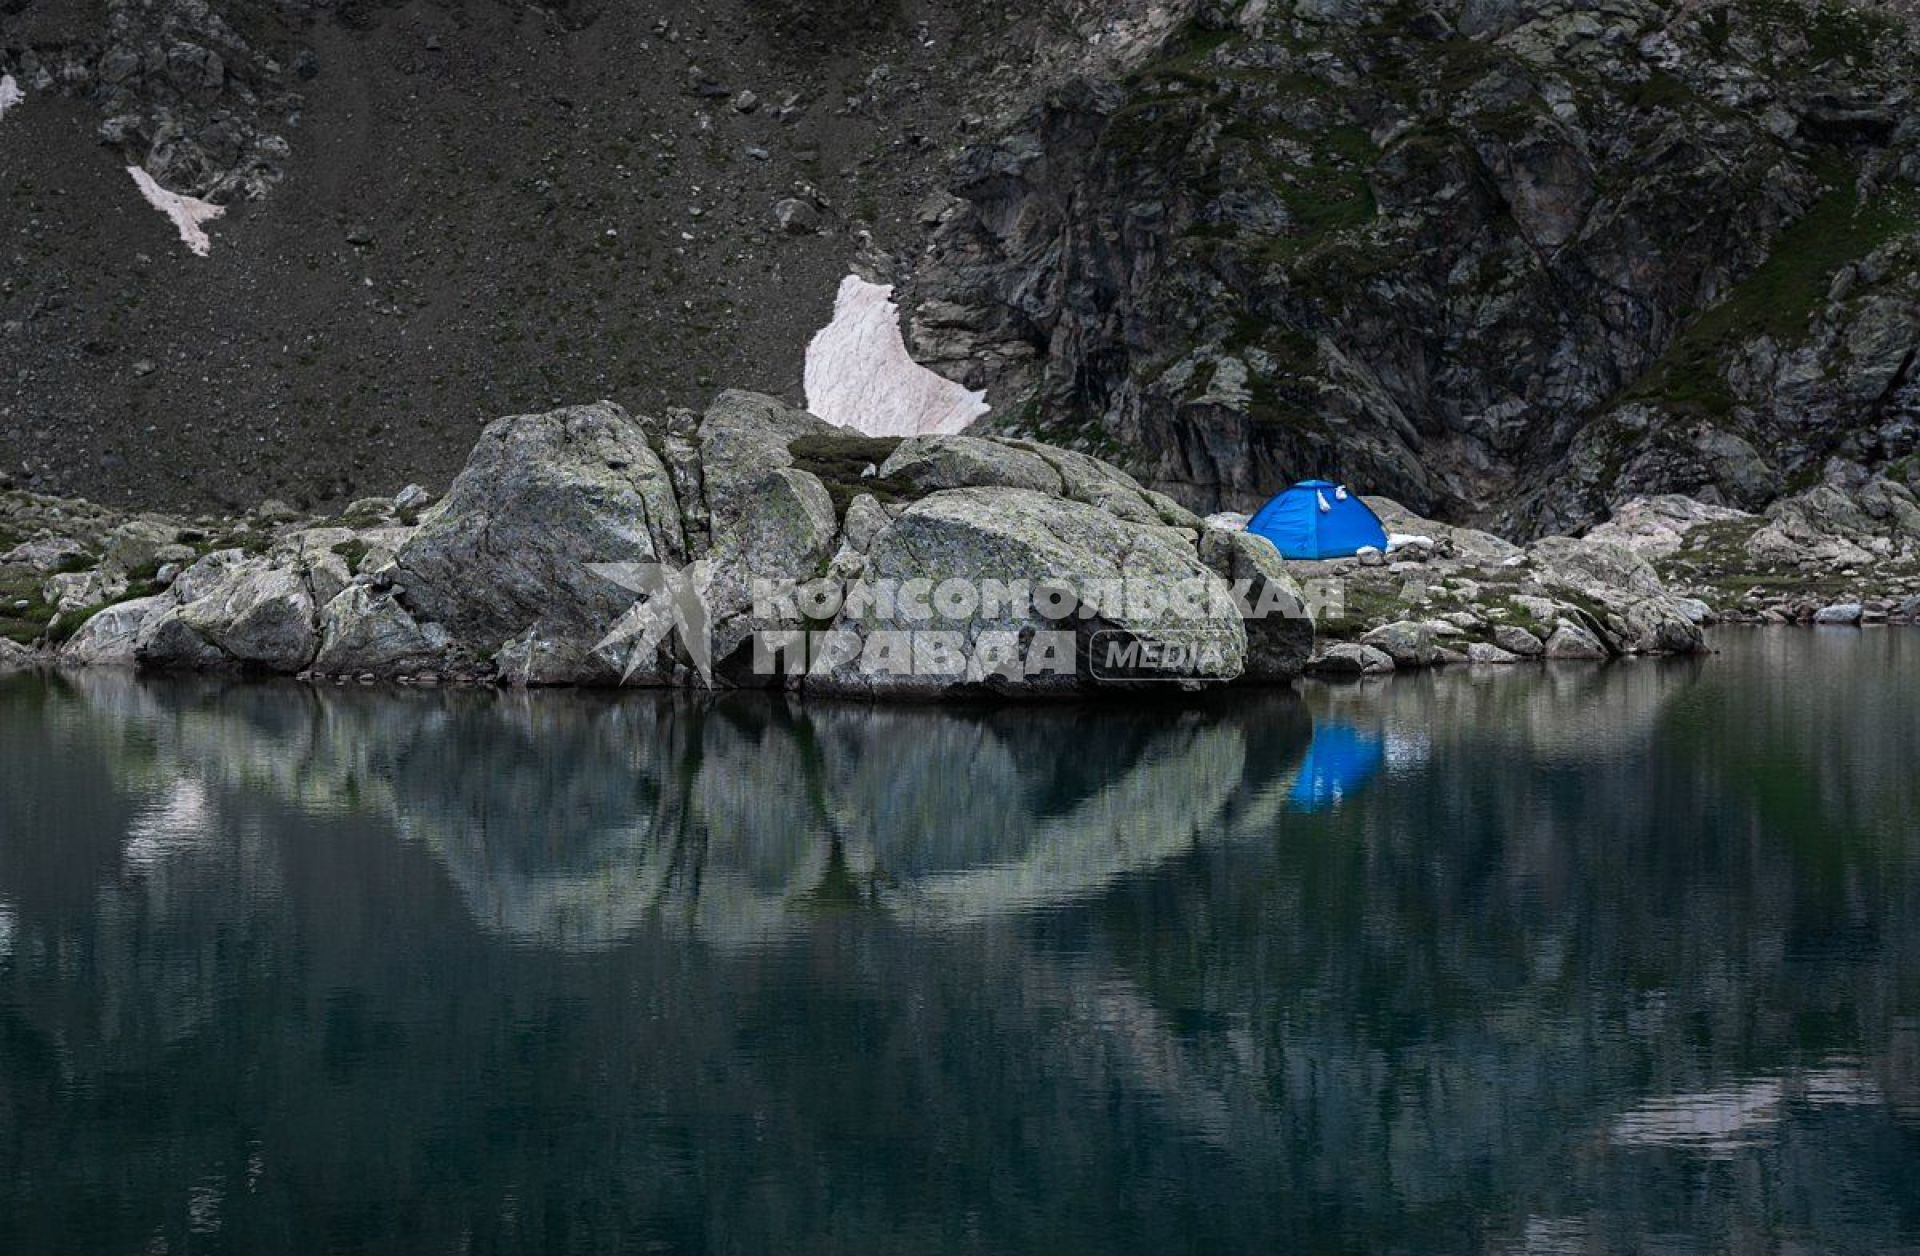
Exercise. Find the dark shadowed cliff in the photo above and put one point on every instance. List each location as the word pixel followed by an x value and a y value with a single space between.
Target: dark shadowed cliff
pixel 1508 261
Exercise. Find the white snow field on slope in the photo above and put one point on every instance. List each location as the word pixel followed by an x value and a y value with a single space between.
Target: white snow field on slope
pixel 10 94
pixel 188 213
pixel 860 375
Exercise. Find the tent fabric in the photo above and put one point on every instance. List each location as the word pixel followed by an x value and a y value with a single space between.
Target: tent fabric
pixel 1317 519
pixel 1339 761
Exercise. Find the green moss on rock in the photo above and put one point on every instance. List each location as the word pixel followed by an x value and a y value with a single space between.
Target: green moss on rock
pixel 840 461
pixel 1781 296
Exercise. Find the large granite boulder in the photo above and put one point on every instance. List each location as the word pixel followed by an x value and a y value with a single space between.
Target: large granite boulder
pixel 1084 478
pixel 929 463
pixel 142 544
pixel 364 630
pixel 1657 526
pixel 1851 519
pixel 510 555
pixel 1279 629
pixel 772 523
pixel 1821 526
pixel 111 637
pixel 234 611
pixel 1630 608
pixel 1084 570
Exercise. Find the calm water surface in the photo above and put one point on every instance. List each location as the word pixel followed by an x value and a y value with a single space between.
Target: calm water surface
pixel 1619 959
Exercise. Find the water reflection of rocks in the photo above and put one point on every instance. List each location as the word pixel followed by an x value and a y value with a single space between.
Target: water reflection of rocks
pixel 573 820
pixel 1575 940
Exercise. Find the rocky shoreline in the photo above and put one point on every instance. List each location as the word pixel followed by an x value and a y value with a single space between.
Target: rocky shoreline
pixel 516 575
pixel 1843 552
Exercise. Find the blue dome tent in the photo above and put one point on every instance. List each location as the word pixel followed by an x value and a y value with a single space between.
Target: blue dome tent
pixel 1317 519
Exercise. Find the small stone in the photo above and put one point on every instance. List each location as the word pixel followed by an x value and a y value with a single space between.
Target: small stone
pixel 745 102
pixel 143 367
pixel 412 497
pixel 1349 658
pixel 46 555
pixel 1840 614
pixel 796 217
pixel 1518 641
pixel 1407 643
pixel 119 65
pixel 1571 641
pixel 700 83
pixel 1487 652
pixel 1695 610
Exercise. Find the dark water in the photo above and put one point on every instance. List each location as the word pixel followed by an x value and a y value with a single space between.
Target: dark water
pixel 1601 960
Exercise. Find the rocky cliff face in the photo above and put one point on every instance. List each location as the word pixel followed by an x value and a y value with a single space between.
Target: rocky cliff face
pixel 1517 260
pixel 1506 262
pixel 438 212
pixel 201 102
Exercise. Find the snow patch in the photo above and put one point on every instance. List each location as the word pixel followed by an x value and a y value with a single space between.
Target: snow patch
pixel 188 213
pixel 860 375
pixel 10 94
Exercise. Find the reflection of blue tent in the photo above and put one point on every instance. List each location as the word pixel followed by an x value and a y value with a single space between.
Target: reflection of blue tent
pixel 1339 760
pixel 1315 519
